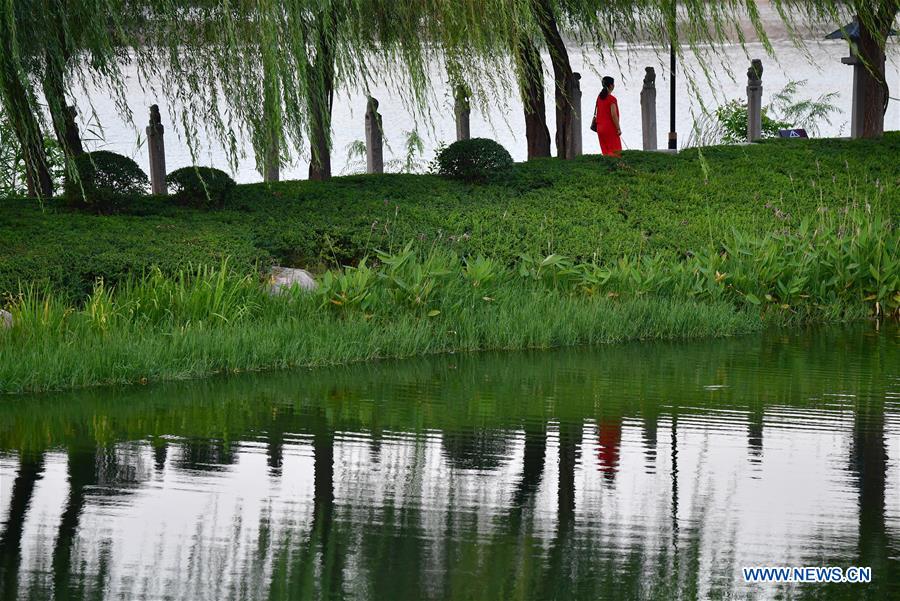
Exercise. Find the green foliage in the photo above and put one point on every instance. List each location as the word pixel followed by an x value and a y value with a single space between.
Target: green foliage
pixel 806 113
pixel 201 187
pixel 474 160
pixel 835 266
pixel 12 163
pixel 105 180
pixel 223 62
pixel 348 290
pixel 356 157
pixel 410 162
pixel 587 209
pixel 413 149
pixel 732 118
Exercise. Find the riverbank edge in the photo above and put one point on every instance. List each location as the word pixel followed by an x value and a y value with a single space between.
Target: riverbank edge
pixel 125 359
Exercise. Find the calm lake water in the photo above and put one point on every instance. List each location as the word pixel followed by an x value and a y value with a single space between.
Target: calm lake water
pixel 646 470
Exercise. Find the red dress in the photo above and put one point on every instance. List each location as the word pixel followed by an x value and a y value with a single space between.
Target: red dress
pixel 610 142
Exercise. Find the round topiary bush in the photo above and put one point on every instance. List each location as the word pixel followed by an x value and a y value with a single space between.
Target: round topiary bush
pixel 477 159
pixel 104 179
pixel 203 187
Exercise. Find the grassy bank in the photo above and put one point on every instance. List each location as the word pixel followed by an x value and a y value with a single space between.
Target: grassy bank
pixel 408 303
pixel 593 208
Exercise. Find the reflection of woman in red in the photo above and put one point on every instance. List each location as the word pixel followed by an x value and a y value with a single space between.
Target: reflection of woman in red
pixel 610 439
pixel 606 120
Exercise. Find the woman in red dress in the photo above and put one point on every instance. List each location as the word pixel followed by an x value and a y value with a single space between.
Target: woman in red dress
pixel 606 119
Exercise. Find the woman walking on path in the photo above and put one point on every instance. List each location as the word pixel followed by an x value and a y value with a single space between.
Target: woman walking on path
pixel 606 120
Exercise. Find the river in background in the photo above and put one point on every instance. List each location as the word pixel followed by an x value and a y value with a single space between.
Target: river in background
pixel 501 116
pixel 643 470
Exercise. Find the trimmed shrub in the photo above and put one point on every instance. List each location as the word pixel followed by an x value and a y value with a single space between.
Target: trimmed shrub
pixel 474 160
pixel 201 187
pixel 105 179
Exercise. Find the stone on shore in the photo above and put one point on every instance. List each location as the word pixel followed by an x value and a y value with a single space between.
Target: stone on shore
pixel 284 278
pixel 6 320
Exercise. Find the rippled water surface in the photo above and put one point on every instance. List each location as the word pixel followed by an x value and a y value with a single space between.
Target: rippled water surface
pixel 649 470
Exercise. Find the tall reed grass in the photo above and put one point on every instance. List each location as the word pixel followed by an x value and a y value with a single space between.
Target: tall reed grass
pixel 207 320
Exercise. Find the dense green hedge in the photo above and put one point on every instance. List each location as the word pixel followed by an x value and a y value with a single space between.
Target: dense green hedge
pixel 590 207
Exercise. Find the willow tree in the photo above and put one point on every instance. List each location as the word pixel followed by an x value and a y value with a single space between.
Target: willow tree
pixel 876 19
pixel 60 43
pixel 692 25
pixel 20 105
pixel 55 43
pixel 531 86
pixel 544 13
pixel 699 27
pixel 268 71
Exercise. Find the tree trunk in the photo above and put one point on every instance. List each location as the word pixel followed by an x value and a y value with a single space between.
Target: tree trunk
pixel 19 110
pixel 321 100
pixel 63 116
pixel 869 462
pixel 272 122
pixel 532 90
pixel 37 170
pixel 82 468
pixel 562 75
pixel 873 84
pixel 558 578
pixel 54 86
pixel 31 468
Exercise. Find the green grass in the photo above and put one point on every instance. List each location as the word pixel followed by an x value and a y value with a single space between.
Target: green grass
pixel 593 208
pixel 211 320
pixel 305 337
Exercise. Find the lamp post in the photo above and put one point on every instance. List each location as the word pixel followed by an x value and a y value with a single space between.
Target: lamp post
pixel 673 135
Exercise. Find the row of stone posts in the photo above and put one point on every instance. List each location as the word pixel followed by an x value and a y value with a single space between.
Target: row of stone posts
pixel 462 111
pixel 754 105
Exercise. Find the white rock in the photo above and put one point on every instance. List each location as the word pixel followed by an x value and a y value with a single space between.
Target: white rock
pixel 6 320
pixel 283 278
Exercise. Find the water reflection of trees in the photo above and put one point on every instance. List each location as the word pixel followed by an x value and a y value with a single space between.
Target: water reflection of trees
pixel 391 553
pixel 31 467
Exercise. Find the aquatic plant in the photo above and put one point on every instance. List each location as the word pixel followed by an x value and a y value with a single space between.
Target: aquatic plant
pixel 834 266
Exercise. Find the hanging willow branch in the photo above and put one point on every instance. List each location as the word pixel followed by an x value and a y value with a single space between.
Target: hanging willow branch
pixel 267 70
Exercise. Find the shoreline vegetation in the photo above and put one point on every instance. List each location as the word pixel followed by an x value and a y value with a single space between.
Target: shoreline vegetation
pixel 557 254
pixel 212 319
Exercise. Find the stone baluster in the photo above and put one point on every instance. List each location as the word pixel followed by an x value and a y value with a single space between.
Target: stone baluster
pixel 648 110
pixel 374 139
pixel 754 100
pixel 157 152
pixel 575 140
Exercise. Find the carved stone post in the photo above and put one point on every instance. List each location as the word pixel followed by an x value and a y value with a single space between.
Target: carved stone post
pixel 374 139
pixel 462 110
pixel 575 141
pixel 157 152
pixel 648 110
pixel 754 100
